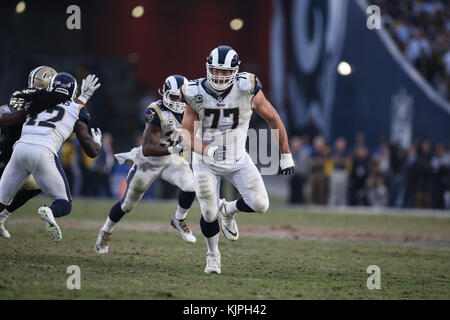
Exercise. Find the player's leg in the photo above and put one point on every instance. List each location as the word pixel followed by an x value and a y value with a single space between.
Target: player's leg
pixel 254 198
pixel 11 181
pixel 50 177
pixel 207 187
pixel 29 190
pixel 138 181
pixel 180 174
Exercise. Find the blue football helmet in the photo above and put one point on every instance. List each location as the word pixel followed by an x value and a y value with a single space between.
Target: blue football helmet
pixel 172 89
pixel 64 83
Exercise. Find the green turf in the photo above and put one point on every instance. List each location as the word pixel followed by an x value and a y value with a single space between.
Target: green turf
pixel 158 265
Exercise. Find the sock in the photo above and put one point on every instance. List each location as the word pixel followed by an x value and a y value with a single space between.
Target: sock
pixel 210 231
pixel 231 207
pixel 116 212
pixel 21 198
pixel 61 208
pixel 185 199
pixel 109 225
pixel 213 244
pixel 242 206
pixel 4 215
pixel 181 213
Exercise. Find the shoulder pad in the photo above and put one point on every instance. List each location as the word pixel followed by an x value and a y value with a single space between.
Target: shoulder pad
pixel 189 91
pixel 153 113
pixel 248 82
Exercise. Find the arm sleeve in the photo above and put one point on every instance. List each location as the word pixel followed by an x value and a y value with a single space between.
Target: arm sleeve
pixel 83 115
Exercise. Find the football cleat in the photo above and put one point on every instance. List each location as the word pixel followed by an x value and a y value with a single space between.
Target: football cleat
pixel 3 232
pixel 102 243
pixel 51 226
pixel 213 263
pixel 183 229
pixel 228 223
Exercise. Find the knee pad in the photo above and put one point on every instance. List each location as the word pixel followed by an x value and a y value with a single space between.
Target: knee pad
pixel 204 186
pixel 127 205
pixel 130 199
pixel 206 194
pixel 260 202
pixel 261 205
pixel 187 184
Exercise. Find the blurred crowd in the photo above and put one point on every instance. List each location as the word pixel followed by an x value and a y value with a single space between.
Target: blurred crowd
pixel 421 29
pixel 338 174
pixel 86 176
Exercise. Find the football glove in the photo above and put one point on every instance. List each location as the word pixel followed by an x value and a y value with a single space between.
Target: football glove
pixel 216 153
pixel 286 164
pixel 88 86
pixel 97 136
pixel 177 148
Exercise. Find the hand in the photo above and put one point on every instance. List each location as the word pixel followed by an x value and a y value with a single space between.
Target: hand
pixel 88 86
pixel 216 153
pixel 97 136
pixel 286 165
pixel 177 148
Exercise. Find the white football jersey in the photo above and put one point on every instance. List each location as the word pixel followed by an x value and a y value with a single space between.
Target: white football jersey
pixel 224 118
pixel 170 124
pixel 52 127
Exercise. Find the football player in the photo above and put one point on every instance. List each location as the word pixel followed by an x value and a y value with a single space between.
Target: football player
pixel 223 104
pixel 36 152
pixel 159 156
pixel 30 101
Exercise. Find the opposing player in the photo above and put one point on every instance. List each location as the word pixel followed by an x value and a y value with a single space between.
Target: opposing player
pixel 157 157
pixel 36 152
pixel 223 103
pixel 30 101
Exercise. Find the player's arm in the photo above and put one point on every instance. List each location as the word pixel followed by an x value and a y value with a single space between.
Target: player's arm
pixel 265 109
pixel 188 131
pixel 12 118
pixel 90 144
pixel 150 145
pixel 88 87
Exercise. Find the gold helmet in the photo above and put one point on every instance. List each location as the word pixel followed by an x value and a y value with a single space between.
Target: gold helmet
pixel 40 77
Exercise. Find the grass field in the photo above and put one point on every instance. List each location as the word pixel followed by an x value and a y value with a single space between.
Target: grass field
pixel 285 254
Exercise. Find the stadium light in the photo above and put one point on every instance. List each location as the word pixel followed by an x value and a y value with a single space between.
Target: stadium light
pixel 236 24
pixel 137 11
pixel 20 7
pixel 344 68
